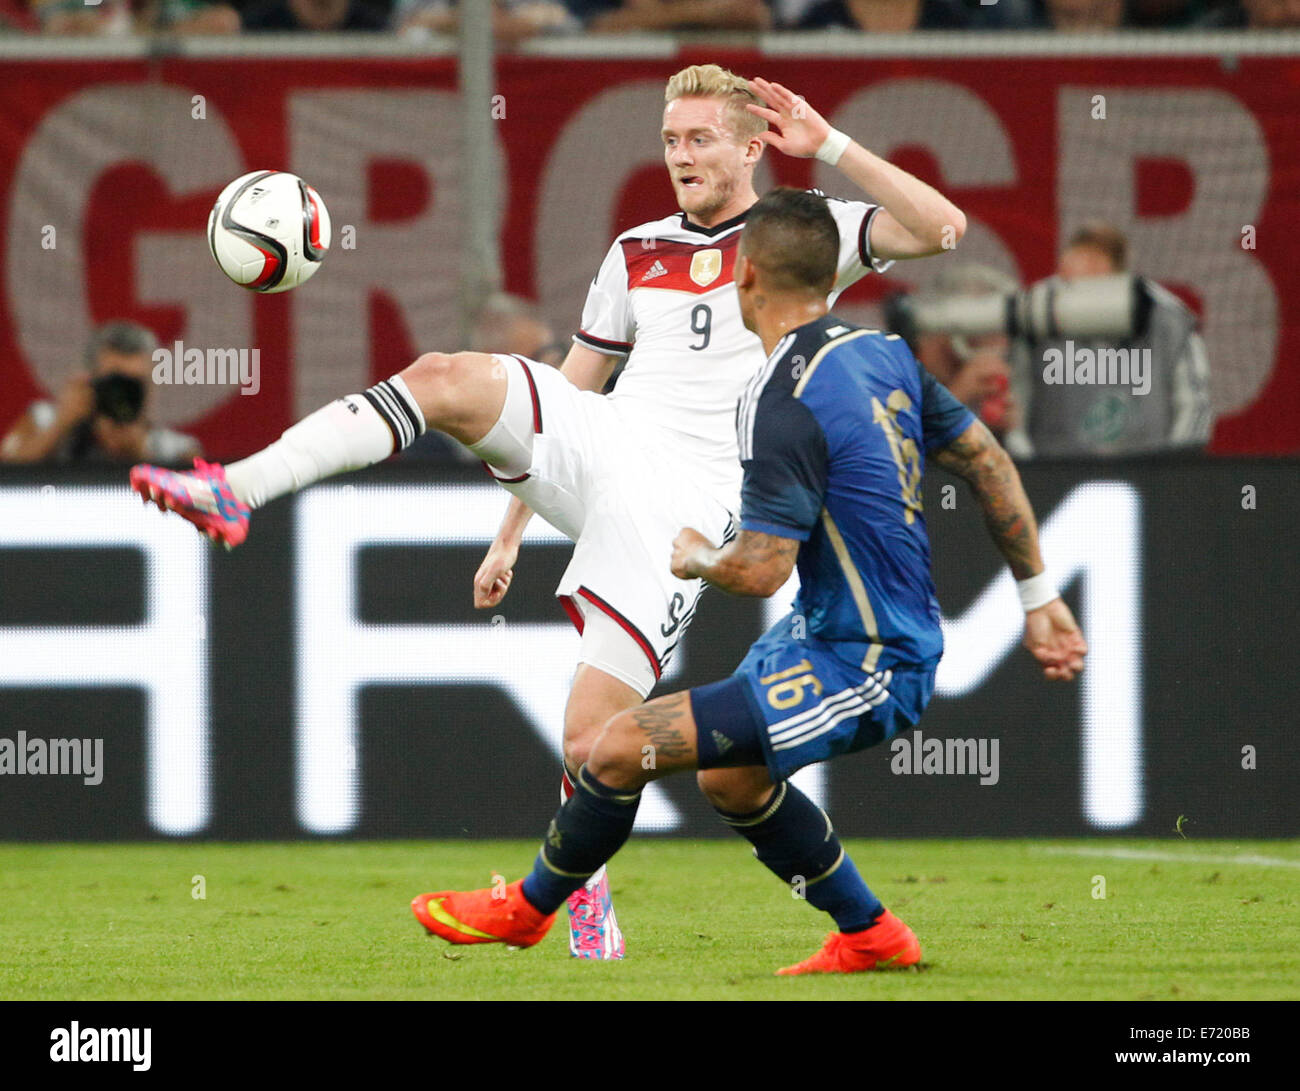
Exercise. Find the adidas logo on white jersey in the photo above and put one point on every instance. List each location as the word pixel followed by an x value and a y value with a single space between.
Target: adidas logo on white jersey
pixel 656 270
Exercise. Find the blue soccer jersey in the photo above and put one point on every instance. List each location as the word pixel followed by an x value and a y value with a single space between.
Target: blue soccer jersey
pixel 833 433
pixel 833 436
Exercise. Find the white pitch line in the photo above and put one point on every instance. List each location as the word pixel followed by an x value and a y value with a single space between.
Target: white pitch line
pixel 1171 857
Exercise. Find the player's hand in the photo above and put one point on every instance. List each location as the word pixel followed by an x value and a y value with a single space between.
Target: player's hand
pixel 492 580
pixel 685 545
pixel 1054 639
pixel 798 129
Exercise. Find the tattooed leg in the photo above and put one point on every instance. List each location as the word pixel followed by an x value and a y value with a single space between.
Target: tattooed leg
pixel 634 748
pixel 645 743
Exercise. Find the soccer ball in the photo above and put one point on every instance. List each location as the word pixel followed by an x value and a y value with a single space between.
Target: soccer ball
pixel 269 231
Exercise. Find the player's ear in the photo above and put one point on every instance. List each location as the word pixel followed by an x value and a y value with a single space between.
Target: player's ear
pixel 744 272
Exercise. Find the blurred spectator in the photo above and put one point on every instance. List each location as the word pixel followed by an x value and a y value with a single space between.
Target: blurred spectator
pixel 976 370
pixel 508 324
pixel 187 17
pixel 511 324
pixel 611 16
pixel 101 413
pixel 1078 15
pixel 1255 15
pixel 881 16
pixel 1272 14
pixel 111 18
pixel 314 15
pixel 1097 249
pixel 1002 15
pixel 790 14
pixel 893 16
pixel 17 16
pixel 1160 400
pixel 512 20
pixel 1151 14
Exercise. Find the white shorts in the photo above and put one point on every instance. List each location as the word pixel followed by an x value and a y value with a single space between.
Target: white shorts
pixel 615 486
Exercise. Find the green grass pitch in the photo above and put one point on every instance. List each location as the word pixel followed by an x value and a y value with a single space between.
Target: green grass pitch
pixel 996 919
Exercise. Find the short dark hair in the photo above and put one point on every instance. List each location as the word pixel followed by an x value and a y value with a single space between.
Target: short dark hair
pixel 1105 237
pixel 791 235
pixel 124 338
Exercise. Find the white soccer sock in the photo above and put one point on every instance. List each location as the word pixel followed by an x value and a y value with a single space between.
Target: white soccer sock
pixel 353 432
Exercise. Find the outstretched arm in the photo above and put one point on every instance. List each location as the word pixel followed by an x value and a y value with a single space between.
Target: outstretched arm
pixel 1051 634
pixel 915 219
pixel 750 564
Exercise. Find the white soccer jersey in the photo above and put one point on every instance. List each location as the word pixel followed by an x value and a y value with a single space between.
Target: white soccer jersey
pixel 664 297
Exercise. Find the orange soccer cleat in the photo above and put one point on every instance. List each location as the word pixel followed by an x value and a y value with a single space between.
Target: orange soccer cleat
pixel 492 915
pixel 888 945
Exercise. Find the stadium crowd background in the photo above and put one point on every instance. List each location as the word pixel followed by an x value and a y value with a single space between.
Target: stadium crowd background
pixel 518 20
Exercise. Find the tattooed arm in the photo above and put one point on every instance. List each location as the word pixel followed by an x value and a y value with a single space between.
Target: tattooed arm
pixel 750 564
pixel 1052 635
pixel 978 458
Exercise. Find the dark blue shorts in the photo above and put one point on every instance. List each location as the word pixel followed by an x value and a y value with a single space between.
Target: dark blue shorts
pixel 793 703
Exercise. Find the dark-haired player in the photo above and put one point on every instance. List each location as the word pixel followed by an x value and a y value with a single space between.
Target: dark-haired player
pixel 832 433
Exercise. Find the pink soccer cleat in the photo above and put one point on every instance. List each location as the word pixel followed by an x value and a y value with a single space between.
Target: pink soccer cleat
pixel 593 928
pixel 201 495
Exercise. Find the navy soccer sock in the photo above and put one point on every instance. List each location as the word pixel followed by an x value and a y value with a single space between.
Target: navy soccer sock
pixel 584 833
pixel 794 839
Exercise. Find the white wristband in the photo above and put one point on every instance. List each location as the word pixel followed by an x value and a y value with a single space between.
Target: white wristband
pixel 833 147
pixel 1037 591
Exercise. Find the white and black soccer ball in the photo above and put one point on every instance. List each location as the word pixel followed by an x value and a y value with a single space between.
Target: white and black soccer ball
pixel 269 231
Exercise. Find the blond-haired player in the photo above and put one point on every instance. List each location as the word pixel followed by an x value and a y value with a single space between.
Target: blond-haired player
pixel 618 474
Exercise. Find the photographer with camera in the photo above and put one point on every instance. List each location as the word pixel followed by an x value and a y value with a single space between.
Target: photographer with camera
pixel 101 414
pixel 1141 390
pixel 1103 362
pixel 975 368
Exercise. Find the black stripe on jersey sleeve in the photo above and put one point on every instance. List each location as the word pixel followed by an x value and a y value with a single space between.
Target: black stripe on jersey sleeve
pixel 864 237
pixel 612 348
pixel 532 393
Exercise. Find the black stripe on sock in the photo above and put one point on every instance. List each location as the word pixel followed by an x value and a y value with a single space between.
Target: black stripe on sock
pixel 416 419
pixel 379 408
pixel 390 400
